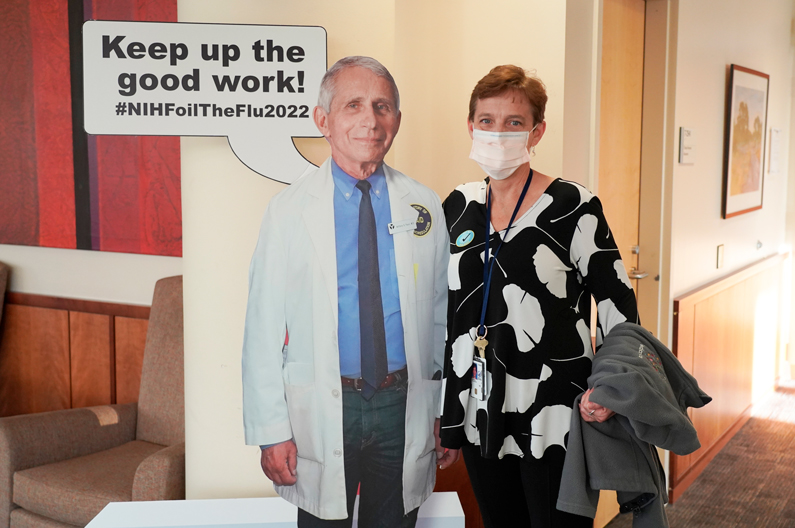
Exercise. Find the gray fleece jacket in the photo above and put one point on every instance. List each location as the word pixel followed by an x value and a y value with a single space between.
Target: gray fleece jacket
pixel 636 376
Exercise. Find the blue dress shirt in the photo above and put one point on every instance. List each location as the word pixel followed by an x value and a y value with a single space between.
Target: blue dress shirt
pixel 346 226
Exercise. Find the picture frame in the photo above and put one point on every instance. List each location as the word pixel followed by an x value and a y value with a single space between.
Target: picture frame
pixel 744 147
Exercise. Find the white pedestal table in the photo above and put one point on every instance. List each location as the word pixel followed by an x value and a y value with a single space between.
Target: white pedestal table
pixel 441 510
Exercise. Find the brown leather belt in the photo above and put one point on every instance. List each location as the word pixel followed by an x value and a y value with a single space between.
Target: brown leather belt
pixel 391 379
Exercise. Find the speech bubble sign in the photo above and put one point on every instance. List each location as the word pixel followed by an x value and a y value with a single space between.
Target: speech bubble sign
pixel 255 84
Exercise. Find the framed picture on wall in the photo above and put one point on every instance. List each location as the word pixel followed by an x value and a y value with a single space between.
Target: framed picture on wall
pixel 746 123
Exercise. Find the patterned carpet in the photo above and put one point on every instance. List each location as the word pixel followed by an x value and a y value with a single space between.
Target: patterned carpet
pixel 751 482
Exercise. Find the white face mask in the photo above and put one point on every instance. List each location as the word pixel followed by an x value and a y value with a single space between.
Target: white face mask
pixel 499 153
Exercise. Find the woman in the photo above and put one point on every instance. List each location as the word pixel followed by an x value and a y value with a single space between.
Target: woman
pixel 519 347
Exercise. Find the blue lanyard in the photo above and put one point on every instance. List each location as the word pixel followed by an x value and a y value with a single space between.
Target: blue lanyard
pixel 488 262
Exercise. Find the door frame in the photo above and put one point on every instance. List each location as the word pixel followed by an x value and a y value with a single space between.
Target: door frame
pixel 581 139
pixel 657 163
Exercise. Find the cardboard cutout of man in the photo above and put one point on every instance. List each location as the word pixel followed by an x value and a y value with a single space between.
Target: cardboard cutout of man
pixel 352 264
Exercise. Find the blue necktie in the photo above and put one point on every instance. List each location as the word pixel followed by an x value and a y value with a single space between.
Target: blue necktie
pixel 371 311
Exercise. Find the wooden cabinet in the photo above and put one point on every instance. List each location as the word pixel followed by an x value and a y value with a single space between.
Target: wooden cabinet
pixel 58 353
pixel 728 335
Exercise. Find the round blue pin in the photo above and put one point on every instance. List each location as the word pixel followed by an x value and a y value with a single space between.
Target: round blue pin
pixel 465 238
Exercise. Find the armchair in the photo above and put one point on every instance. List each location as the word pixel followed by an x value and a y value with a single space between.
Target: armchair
pixel 59 469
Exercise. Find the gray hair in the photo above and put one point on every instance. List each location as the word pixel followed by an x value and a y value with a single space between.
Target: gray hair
pixel 328 86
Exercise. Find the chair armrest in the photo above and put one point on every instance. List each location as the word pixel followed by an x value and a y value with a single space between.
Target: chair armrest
pixel 161 476
pixel 31 440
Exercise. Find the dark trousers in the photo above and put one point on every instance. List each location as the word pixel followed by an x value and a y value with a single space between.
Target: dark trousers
pixel 374 437
pixel 515 491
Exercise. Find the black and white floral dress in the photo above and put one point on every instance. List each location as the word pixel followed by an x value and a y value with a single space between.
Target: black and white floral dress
pixel 555 257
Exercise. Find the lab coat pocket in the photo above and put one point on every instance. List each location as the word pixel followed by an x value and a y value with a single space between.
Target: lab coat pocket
pixel 432 395
pixel 297 373
pixel 301 398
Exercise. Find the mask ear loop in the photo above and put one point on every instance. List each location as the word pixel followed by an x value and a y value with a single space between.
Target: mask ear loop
pixel 533 148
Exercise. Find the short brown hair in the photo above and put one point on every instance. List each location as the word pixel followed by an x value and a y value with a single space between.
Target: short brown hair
pixel 509 77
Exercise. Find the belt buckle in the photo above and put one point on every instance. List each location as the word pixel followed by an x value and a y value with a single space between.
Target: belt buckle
pixel 357 384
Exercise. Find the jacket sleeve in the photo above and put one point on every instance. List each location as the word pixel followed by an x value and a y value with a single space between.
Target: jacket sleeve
pixel 596 256
pixel 265 415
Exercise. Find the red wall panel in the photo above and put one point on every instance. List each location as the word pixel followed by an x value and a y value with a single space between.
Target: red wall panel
pixel 133 203
pixel 53 117
pixel 156 10
pixel 113 9
pixel 18 188
pixel 138 178
pixel 117 181
pixel 160 196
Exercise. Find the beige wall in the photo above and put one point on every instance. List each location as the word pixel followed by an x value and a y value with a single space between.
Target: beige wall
pixel 442 48
pixel 436 51
pixel 713 34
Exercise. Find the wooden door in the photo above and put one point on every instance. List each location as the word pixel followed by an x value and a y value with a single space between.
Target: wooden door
pixel 620 121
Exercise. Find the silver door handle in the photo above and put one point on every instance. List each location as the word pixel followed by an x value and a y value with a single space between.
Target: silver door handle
pixel 635 274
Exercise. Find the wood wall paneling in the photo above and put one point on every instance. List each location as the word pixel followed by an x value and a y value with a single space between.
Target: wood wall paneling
pixel 34 361
pixel 726 335
pixel 130 343
pixel 78 305
pixel 58 353
pixel 90 338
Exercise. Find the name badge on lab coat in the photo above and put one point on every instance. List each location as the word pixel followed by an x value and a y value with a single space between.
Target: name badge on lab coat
pixel 402 225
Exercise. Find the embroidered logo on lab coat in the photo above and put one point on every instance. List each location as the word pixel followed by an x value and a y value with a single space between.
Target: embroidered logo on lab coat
pixel 424 221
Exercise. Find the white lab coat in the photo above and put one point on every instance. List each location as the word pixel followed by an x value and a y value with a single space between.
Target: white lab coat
pixel 295 391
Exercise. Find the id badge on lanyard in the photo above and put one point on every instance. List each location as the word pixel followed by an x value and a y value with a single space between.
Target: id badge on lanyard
pixel 480 388
pixel 480 381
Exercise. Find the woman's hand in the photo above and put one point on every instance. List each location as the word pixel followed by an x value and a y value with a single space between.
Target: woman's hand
pixel 449 458
pixel 444 457
pixel 593 412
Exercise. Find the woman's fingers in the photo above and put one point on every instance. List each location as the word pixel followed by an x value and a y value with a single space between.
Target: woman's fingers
pixel 593 412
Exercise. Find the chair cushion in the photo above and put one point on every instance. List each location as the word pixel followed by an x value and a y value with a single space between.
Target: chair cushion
pixel 24 519
pixel 75 491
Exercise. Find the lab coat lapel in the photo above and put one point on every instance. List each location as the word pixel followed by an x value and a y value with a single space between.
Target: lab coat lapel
pixel 318 216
